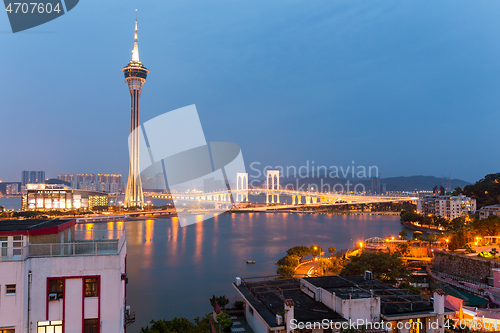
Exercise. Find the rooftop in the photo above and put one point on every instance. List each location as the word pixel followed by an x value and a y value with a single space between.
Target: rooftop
pixel 268 297
pixel 393 300
pixel 34 226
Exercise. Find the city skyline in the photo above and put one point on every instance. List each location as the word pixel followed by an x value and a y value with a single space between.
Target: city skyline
pixel 388 84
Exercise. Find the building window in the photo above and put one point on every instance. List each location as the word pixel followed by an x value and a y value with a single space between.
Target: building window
pixel 9 330
pixel 56 287
pixel 54 326
pixel 17 244
pixel 92 287
pixel 10 289
pixel 91 326
pixel 3 246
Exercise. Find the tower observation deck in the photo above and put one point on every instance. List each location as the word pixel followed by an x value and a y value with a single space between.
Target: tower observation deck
pixel 135 77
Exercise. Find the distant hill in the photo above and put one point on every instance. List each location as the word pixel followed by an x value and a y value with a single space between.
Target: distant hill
pixel 419 183
pixel 486 191
pixel 412 183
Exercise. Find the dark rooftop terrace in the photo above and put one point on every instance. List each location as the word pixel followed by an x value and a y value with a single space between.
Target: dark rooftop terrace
pixel 393 300
pixel 267 297
pixel 34 226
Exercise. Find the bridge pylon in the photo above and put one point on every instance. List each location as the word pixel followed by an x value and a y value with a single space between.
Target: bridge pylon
pixel 242 187
pixel 272 185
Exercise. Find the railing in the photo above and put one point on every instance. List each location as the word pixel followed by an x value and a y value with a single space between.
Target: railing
pixel 461 279
pixel 77 248
pixel 82 248
pixel 128 319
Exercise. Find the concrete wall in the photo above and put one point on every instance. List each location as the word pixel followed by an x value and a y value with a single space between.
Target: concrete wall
pixel 12 311
pixel 257 324
pixel 14 308
pixel 109 268
pixel 473 268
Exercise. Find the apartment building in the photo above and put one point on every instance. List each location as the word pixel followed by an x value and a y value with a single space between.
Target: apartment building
pixel 446 206
pixel 54 280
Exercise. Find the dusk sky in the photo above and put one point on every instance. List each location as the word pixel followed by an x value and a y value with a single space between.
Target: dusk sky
pixel 412 87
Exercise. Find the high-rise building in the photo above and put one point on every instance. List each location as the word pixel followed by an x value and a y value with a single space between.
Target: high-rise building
pixel 376 185
pixel 67 177
pixel 135 76
pixel 32 177
pixel 83 177
pixel 12 188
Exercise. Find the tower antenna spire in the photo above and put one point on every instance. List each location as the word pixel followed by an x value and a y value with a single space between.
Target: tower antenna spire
pixel 135 76
pixel 135 51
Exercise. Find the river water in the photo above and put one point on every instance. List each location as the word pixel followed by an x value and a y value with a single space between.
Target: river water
pixel 174 270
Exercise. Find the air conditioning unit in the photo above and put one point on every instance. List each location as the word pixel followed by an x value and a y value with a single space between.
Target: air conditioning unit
pixel 53 297
pixel 127 310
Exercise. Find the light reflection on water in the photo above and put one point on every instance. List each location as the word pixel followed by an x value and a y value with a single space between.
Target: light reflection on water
pixel 173 270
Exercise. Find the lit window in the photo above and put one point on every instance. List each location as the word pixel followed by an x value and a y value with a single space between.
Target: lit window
pixel 10 289
pixel 8 330
pixel 92 287
pixel 54 326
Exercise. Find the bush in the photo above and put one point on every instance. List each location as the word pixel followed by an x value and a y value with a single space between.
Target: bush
pixel 238 305
pixel 225 321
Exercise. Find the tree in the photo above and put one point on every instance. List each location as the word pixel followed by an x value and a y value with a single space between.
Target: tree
pixel 458 191
pixel 315 250
pixel 431 238
pixel 224 320
pixel 459 238
pixel 411 217
pixel 299 251
pixel 178 325
pixel 417 235
pixel 403 249
pixel 289 260
pixel 384 266
pixel 486 191
pixel 494 252
pixel 403 234
pixel 332 250
pixel 329 266
pixel 487 227
pixel 221 300
pixel 285 272
pixel 469 249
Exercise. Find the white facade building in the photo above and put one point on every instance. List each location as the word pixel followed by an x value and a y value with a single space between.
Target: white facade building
pixel 489 210
pixel 332 303
pixel 52 282
pixel 446 206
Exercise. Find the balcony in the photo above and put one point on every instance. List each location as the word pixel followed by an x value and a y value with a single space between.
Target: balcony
pixel 82 247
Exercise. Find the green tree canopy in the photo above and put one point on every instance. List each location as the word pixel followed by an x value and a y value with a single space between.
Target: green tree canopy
pixel 403 234
pixel 178 325
pixel 385 267
pixel 486 191
pixel 487 227
pixel 285 271
pixel 316 250
pixel 289 260
pixel 332 250
pixel 299 251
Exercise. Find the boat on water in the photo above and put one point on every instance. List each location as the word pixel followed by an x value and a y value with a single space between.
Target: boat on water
pixel 250 262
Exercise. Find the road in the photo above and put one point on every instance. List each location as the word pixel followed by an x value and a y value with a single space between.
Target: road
pixel 308 269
